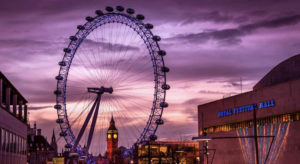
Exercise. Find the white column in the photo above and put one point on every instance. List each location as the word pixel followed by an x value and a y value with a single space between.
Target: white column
pixel 15 99
pixel 7 99
pixel 20 109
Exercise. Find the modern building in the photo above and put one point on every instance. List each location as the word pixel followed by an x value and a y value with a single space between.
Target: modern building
pixel 39 151
pixel 274 103
pixel 13 123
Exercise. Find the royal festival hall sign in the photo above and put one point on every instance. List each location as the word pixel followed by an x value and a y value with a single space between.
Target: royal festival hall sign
pixel 245 108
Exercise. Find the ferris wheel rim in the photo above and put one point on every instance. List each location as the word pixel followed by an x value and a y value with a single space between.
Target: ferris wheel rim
pixel 65 65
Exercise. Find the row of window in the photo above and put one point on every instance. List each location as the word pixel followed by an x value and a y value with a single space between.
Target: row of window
pixel 166 150
pixel 289 117
pixel 10 142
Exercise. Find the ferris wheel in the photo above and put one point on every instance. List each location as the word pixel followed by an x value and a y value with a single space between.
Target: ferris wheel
pixel 117 70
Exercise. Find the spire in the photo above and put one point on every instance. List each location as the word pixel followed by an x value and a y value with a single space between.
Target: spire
pixel 112 121
pixel 112 125
pixel 53 141
pixel 53 136
pixel 34 128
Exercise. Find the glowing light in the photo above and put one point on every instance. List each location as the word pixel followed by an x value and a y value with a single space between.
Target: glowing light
pixel 279 130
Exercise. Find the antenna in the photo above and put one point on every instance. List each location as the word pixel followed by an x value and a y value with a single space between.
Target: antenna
pixel 202 123
pixel 241 84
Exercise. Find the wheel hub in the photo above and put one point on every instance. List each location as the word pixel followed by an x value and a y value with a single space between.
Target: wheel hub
pixel 100 90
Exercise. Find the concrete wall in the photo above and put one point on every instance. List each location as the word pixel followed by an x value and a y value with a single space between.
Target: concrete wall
pixel 229 151
pixel 10 122
pixel 290 152
pixel 18 127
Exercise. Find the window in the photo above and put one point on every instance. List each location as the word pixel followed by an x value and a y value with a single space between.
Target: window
pixel 289 117
pixel 17 146
pixel 11 142
pixel 7 141
pixel 22 146
pixel 3 139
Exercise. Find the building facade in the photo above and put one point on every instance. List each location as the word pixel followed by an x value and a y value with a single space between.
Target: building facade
pixel 274 103
pixel 13 124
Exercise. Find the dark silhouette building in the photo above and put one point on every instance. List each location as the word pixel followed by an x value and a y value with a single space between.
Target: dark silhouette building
pixel 53 142
pixel 13 123
pixel 112 141
pixel 39 149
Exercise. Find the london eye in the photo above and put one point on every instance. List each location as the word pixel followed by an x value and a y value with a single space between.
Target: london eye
pixel 112 66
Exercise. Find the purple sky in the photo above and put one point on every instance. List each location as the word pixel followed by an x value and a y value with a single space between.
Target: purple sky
pixel 211 45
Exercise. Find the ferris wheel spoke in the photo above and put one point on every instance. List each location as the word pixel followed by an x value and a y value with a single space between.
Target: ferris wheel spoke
pixel 123 40
pixel 97 56
pixel 138 75
pixel 79 77
pixel 83 98
pixel 129 116
pixel 88 74
pixel 129 129
pixel 125 52
pixel 81 113
pixel 135 79
pixel 130 62
pixel 95 73
pixel 131 109
pixel 86 69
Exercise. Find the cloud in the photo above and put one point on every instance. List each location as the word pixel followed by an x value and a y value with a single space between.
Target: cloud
pixel 105 46
pixel 233 36
pixel 22 43
pixel 213 16
pixel 16 51
pixel 258 13
pixel 275 23
pixel 210 92
pixel 39 107
pixel 208 71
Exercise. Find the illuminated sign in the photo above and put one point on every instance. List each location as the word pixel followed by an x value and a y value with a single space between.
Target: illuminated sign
pixel 245 108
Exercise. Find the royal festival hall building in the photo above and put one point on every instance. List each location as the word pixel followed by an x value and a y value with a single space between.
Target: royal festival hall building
pixel 229 122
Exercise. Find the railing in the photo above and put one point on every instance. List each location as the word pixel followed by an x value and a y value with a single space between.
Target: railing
pixel 11 99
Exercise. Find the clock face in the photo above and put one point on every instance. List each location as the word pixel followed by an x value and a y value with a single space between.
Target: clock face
pixel 108 136
pixel 115 136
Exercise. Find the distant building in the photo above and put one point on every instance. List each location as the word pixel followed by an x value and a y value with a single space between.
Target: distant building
pixel 53 143
pixel 39 150
pixel 183 152
pixel 112 141
pixel 275 100
pixel 13 123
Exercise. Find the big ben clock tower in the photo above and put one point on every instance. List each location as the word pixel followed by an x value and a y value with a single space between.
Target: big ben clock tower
pixel 112 140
